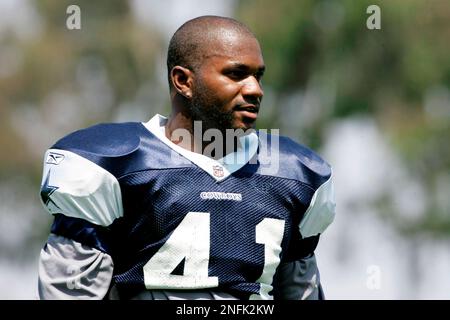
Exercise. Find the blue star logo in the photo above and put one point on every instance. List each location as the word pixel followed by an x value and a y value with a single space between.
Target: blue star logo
pixel 47 190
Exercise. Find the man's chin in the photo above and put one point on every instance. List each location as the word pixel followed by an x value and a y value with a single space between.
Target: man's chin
pixel 245 125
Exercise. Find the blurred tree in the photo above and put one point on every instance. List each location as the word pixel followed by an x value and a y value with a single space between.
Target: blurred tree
pixel 111 56
pixel 399 75
pixel 323 63
pixel 62 80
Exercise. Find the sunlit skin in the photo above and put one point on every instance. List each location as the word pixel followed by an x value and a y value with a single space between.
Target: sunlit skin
pixel 231 78
pixel 224 92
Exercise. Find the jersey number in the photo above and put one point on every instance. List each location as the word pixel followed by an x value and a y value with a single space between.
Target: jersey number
pixel 190 241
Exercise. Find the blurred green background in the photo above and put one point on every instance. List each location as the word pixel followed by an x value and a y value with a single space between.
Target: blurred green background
pixel 374 103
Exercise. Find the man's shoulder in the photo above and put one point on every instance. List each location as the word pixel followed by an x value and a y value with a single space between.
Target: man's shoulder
pixel 295 160
pixel 308 157
pixel 104 139
pixel 119 148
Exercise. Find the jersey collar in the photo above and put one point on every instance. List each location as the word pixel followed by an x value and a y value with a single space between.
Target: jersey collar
pixel 218 169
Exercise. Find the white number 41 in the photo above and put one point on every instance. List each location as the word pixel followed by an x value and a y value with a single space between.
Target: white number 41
pixel 190 241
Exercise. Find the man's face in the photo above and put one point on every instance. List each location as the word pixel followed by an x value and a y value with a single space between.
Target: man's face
pixel 227 88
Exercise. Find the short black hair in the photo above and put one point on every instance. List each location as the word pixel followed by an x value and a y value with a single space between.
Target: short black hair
pixel 186 47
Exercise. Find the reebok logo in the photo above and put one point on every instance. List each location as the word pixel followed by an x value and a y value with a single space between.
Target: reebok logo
pixel 54 158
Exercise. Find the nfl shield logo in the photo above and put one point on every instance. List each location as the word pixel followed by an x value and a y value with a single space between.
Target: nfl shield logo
pixel 218 171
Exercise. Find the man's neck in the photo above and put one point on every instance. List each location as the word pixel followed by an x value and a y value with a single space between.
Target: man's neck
pixel 181 131
pixel 177 121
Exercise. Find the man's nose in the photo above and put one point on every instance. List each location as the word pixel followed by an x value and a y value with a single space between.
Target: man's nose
pixel 252 87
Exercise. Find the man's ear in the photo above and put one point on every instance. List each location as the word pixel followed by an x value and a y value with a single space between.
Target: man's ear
pixel 182 80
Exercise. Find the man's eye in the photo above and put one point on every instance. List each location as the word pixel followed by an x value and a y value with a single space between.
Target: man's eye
pixel 258 76
pixel 236 74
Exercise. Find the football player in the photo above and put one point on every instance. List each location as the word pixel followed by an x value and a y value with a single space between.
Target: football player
pixel 148 211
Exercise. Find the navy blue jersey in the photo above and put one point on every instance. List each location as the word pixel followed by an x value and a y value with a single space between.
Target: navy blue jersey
pixel 169 222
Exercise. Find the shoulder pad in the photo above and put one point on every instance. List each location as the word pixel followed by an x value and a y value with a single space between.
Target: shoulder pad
pixel 106 139
pixel 289 159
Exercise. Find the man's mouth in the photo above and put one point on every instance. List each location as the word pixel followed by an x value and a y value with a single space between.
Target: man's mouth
pixel 251 108
pixel 248 112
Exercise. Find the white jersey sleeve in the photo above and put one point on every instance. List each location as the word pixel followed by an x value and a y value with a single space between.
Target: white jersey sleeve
pixel 321 211
pixel 79 188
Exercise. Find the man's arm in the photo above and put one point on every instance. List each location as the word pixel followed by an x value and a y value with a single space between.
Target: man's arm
pixel 299 277
pixel 299 280
pixel 70 270
pixel 84 199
